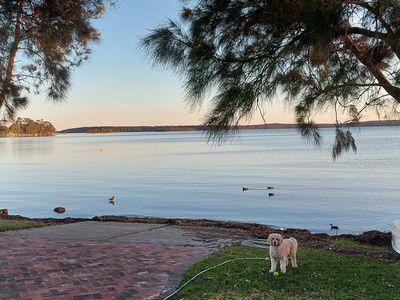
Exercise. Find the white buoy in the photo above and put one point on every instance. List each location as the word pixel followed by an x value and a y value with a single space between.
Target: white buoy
pixel 396 235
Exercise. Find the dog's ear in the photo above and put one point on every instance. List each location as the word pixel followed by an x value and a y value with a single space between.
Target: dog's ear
pixel 280 240
pixel 269 239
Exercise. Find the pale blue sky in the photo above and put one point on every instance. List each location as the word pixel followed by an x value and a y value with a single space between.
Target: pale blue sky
pixel 118 85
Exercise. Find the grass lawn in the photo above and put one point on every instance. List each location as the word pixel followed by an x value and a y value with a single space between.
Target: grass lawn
pixel 346 243
pixel 6 225
pixel 320 275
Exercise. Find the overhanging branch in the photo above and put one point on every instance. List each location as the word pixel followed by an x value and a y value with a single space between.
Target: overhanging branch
pixel 373 68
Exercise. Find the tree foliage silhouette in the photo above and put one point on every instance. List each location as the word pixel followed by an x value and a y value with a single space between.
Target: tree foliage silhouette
pixel 336 55
pixel 41 42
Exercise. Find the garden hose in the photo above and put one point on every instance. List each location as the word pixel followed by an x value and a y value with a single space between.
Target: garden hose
pixel 257 243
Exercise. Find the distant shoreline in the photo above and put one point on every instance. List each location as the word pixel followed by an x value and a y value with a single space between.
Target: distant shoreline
pixel 116 129
pixel 13 135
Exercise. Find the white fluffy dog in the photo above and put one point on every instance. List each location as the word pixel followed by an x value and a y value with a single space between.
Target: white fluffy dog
pixel 280 249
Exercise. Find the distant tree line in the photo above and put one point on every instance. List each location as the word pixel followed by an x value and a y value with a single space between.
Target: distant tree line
pixel 116 129
pixel 28 127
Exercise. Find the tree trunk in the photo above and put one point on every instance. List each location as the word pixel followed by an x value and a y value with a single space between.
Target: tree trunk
pixel 392 90
pixel 11 58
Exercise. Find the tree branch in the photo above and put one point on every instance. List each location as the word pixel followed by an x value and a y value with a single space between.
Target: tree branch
pixel 365 32
pixel 365 4
pixel 11 57
pixel 373 68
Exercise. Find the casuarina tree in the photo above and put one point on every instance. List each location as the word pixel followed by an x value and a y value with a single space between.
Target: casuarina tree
pixel 318 55
pixel 41 42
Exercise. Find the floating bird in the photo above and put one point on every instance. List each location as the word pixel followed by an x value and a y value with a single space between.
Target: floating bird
pixel 111 200
pixel 271 194
pixel 334 227
pixel 257 189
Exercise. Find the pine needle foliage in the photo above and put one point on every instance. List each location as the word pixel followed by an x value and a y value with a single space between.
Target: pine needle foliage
pixel 340 56
pixel 41 43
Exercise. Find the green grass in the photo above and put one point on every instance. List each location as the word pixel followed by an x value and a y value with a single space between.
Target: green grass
pixel 6 225
pixel 346 243
pixel 320 275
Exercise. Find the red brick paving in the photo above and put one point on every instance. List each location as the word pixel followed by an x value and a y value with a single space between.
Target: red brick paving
pixel 33 268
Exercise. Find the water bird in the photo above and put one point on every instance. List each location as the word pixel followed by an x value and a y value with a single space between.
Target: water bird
pixel 257 189
pixel 111 200
pixel 271 194
pixel 334 227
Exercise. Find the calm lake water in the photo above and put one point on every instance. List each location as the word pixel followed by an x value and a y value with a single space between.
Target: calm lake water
pixel 177 174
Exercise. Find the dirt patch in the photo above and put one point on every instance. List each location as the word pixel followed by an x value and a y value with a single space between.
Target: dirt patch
pixel 376 238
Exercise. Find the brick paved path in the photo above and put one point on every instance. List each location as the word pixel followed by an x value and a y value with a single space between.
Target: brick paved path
pixel 37 268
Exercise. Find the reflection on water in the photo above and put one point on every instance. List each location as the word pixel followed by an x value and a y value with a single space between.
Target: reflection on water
pixel 177 174
pixel 27 147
